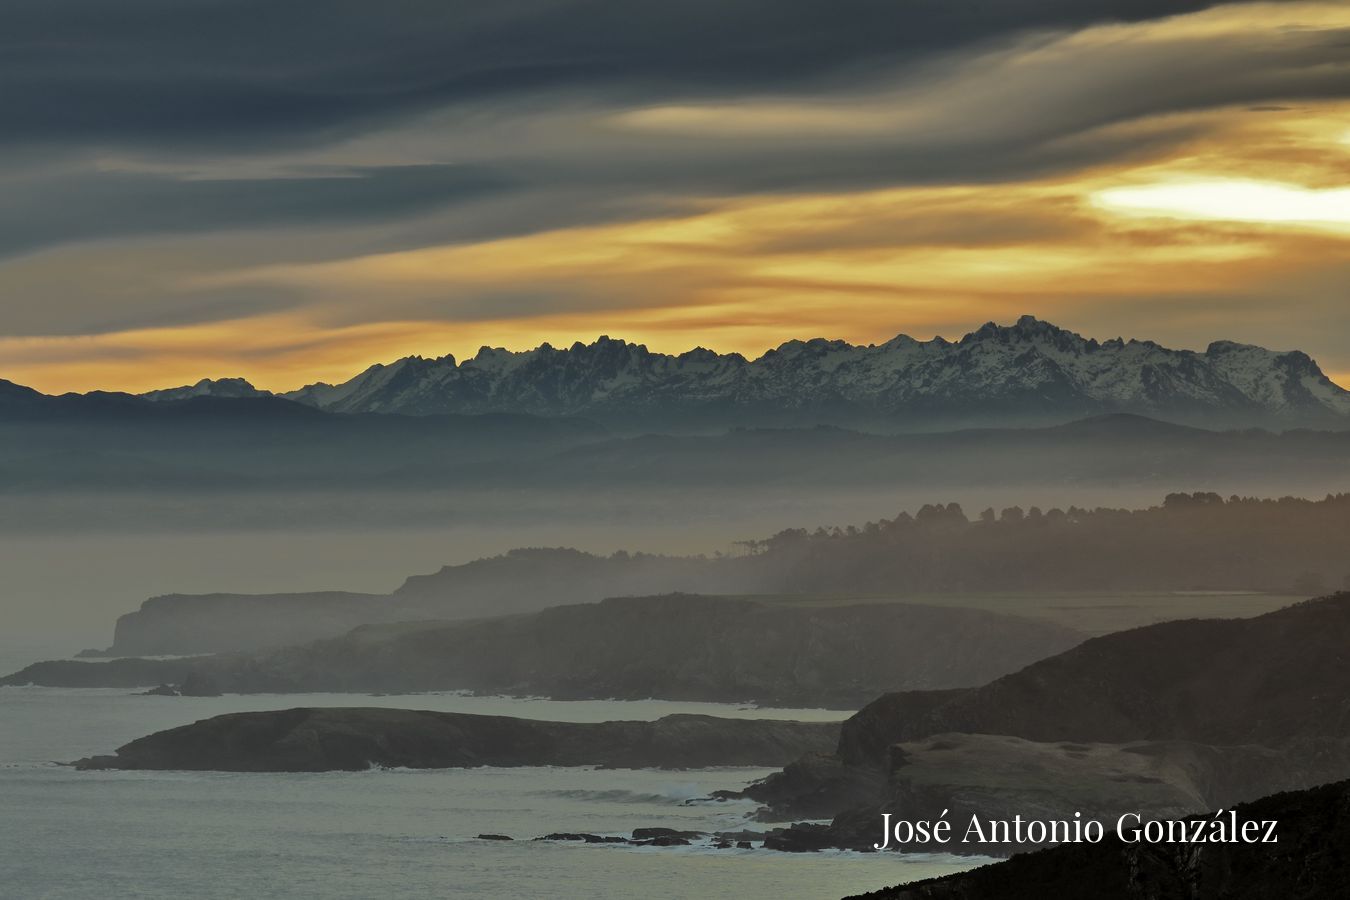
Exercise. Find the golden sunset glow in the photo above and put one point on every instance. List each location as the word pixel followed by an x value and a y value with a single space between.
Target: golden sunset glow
pixel 1235 201
pixel 1206 228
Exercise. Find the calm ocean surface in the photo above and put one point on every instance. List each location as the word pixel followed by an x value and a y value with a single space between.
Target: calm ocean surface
pixel 378 834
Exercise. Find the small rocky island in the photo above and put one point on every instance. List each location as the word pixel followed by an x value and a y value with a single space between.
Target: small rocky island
pixel 357 738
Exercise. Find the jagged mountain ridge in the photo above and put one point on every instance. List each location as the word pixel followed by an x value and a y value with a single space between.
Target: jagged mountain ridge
pixel 1029 371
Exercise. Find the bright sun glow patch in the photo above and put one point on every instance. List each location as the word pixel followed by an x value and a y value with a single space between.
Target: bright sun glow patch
pixel 1234 201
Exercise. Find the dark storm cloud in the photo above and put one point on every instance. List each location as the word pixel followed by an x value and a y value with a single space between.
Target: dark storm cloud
pixel 421 205
pixel 41 211
pixel 368 127
pixel 184 308
pixel 182 73
pixel 418 206
pixel 510 92
pixel 537 168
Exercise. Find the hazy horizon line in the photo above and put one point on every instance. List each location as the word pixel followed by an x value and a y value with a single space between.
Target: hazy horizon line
pixel 1340 379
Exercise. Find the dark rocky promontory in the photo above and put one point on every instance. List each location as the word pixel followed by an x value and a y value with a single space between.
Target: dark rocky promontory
pixel 131 672
pixel 357 738
pixel 1168 719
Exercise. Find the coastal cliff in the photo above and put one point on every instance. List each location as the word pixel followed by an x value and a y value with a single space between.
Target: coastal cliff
pixel 676 647
pixel 1172 718
pixel 1190 542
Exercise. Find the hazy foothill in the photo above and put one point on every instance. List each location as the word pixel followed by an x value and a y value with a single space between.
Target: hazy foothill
pixel 1197 543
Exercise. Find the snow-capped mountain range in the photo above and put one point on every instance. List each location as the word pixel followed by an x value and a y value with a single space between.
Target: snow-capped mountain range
pixel 1030 371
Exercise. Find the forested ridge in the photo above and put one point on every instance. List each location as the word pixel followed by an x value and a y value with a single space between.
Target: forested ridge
pixel 1198 541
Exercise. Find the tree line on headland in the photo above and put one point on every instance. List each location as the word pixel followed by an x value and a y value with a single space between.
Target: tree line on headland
pixel 1198 541
pixel 1192 542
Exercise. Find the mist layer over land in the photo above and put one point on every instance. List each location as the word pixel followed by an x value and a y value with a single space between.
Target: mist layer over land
pixel 107 498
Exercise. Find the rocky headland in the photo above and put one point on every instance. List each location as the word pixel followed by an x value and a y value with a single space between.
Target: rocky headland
pixel 1190 542
pixel 1175 718
pixel 676 647
pixel 358 738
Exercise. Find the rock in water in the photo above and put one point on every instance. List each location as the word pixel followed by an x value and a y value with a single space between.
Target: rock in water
pixel 163 690
pixel 198 685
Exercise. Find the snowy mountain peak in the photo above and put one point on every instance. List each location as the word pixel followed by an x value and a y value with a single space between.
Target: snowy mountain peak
pixel 1278 380
pixel 1031 330
pixel 208 387
pixel 900 342
pixel 1030 371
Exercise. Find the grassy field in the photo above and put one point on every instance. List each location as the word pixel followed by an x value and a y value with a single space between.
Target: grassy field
pixel 1090 613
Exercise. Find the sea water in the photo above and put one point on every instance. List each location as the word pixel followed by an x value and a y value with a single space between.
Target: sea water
pixel 375 834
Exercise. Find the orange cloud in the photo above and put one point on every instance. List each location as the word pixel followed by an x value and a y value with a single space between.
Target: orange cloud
pixel 745 273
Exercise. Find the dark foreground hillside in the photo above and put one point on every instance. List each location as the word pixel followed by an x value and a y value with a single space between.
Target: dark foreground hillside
pixel 1311 861
pixel 1170 719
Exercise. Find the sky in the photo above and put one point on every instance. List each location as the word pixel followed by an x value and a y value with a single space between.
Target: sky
pixel 290 192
